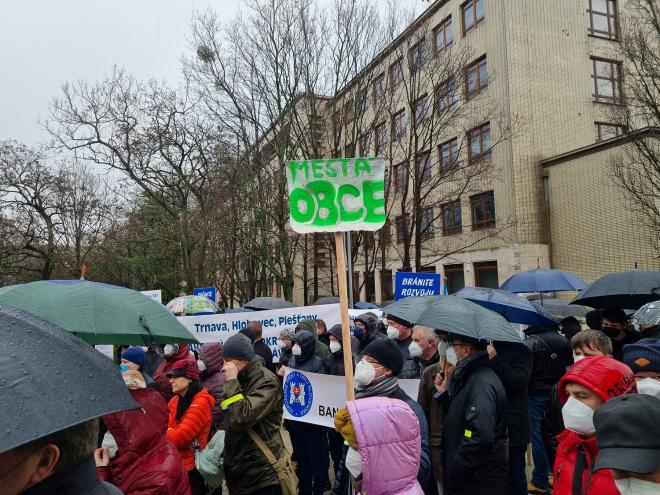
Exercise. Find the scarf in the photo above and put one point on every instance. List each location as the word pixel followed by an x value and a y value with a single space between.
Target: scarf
pixel 378 388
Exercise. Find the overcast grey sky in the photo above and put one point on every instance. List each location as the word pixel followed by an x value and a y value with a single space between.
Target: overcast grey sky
pixel 44 43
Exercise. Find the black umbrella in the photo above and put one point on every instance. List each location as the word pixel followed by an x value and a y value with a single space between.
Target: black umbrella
pixel 51 380
pixel 326 300
pixel 263 303
pixel 626 290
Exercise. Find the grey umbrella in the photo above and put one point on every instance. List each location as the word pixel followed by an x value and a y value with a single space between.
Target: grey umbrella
pixel 455 315
pixel 51 380
pixel 326 300
pixel 263 303
pixel 626 290
pixel 560 307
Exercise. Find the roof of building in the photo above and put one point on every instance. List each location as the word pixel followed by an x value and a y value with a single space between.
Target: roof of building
pixel 645 132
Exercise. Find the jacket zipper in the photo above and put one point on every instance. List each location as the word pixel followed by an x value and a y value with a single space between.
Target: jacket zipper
pixel 590 466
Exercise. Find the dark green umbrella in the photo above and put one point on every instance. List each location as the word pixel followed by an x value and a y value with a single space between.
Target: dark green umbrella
pixel 455 315
pixel 51 380
pixel 98 313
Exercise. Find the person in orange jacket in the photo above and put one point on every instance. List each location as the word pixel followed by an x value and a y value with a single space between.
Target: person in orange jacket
pixel 587 385
pixel 189 418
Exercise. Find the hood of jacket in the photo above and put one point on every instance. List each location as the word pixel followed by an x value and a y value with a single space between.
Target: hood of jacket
pixel 184 350
pixel 309 325
pixel 211 354
pixel 139 429
pixel 307 343
pixel 371 322
pixel 388 434
pixel 603 375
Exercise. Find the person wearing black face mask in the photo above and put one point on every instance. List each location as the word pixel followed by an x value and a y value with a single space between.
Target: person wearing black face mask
pixel 616 327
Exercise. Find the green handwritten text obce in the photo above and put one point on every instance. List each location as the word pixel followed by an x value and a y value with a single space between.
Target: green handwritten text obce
pixel 307 203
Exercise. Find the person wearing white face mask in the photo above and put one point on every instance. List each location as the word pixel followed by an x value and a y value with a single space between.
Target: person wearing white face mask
pixel 626 445
pixel 585 387
pixel 424 347
pixel 400 331
pixel 376 376
pixel 643 357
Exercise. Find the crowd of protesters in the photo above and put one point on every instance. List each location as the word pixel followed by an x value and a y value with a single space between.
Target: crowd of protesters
pixel 588 401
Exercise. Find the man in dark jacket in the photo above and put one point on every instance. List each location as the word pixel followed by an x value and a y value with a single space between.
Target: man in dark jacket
pixel 252 400
pixel 384 358
pixel 260 346
pixel 400 331
pixel 59 464
pixel 321 350
pixel 551 355
pixel 322 332
pixel 475 432
pixel 310 442
pixel 365 329
pixel 210 364
pixel 616 326
pixel 512 362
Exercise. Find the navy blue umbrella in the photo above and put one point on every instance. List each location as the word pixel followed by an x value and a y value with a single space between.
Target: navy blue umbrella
pixel 365 305
pixel 514 308
pixel 543 280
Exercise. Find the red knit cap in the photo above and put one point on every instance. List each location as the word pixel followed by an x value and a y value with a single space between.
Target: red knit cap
pixel 603 375
pixel 186 368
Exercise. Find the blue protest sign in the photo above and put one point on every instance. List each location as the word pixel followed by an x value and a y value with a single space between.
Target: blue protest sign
pixel 209 292
pixel 408 284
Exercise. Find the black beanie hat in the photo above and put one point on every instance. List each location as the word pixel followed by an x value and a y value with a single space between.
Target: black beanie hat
pixel 387 353
pixel 238 347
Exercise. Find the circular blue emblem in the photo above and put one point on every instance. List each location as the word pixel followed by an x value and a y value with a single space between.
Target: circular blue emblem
pixel 298 394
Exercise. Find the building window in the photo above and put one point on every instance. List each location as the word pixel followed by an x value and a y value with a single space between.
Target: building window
pixel 606 75
pixel 348 112
pixel 362 101
pixel 449 155
pixel 401 177
pixel 421 109
pixel 473 13
pixel 483 210
pixel 445 95
pixel 380 86
pixel 349 150
pixel 396 74
pixel 443 34
pixel 386 285
pixel 454 278
pixel 321 259
pixel 479 143
pixel 485 274
pixel 426 228
pixel 365 143
pixel 451 218
pixel 424 166
pixel 381 137
pixel 607 131
pixel 402 227
pixel 398 124
pixel 476 78
pixel 418 54
pixel 369 286
pixel 385 235
pixel 603 19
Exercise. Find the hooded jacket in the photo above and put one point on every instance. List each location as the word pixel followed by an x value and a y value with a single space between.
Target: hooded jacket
pixel 308 360
pixel 146 462
pixel 389 441
pixel 81 480
pixel 475 432
pixel 253 400
pixel 337 363
pixel 213 380
pixel 194 425
pixel 607 378
pixel 370 320
pixel 167 363
pixel 321 350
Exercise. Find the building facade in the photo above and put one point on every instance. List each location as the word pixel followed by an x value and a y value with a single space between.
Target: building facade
pixel 502 88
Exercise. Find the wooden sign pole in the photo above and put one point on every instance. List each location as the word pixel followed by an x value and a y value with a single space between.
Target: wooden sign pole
pixel 345 323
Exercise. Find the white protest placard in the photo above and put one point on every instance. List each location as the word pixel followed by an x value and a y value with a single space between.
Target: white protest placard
pixel 314 398
pixel 156 295
pixel 336 195
pixel 219 327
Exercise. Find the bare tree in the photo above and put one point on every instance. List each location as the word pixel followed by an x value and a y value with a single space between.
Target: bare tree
pixel 637 169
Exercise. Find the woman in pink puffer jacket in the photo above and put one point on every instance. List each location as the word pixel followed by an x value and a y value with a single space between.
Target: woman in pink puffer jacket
pixel 389 443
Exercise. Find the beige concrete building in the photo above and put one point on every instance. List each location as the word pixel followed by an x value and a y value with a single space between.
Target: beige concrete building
pixel 536 80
